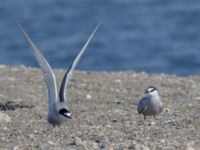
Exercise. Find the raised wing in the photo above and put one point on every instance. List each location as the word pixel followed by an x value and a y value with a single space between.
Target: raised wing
pixel 46 69
pixel 70 70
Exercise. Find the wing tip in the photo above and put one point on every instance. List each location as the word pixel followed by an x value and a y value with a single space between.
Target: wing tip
pixel 20 27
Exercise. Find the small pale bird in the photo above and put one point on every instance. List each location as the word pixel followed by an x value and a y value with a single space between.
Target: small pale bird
pixel 151 105
pixel 58 111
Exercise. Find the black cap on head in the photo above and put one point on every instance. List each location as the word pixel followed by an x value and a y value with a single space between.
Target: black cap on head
pixel 150 89
pixel 65 113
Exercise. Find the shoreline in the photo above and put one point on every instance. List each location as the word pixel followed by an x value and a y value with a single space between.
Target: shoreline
pixel 101 71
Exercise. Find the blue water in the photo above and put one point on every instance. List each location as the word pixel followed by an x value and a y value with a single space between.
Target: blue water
pixel 142 35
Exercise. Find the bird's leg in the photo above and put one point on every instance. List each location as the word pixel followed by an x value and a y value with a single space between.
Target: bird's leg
pixel 155 117
pixel 144 117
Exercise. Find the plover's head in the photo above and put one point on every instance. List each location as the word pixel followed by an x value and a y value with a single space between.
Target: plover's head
pixel 65 113
pixel 151 90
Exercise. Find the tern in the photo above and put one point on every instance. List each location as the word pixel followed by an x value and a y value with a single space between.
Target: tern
pixel 58 110
pixel 151 105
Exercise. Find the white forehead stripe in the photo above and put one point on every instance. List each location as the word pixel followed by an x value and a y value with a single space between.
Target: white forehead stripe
pixel 151 89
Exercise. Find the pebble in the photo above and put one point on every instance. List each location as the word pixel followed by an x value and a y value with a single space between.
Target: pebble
pixel 141 147
pixel 16 148
pixel 4 118
pixel 152 123
pixel 12 79
pixel 35 131
pixel 95 145
pixel 88 96
pixel 189 147
pixel 118 81
pixel 78 141
pixel 51 143
pixel 166 110
pixel 162 141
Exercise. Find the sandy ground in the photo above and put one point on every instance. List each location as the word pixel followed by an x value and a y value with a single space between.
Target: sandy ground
pixel 104 114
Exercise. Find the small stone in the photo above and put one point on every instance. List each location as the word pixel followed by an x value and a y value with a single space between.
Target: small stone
pixel 131 147
pixel 51 143
pixel 152 123
pixel 197 98
pixel 16 148
pixel 83 84
pixel 12 79
pixel 88 96
pixel 102 146
pixel 190 105
pixel 141 147
pixel 166 110
pixel 111 146
pixel 162 141
pixel 114 120
pixel 70 142
pixel 118 102
pixel 31 136
pixel 117 81
pixel 189 147
pixel 78 141
pixel 95 145
pixel 2 96
pixel 35 131
pixel 4 118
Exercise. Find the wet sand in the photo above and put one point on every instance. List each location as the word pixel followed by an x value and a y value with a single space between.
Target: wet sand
pixel 103 111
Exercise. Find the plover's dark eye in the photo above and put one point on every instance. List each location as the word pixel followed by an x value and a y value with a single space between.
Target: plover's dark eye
pixel 65 112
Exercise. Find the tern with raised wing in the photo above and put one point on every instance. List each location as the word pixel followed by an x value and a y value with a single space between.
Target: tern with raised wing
pixel 58 110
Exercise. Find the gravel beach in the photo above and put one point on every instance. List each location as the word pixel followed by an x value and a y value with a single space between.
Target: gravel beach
pixel 103 112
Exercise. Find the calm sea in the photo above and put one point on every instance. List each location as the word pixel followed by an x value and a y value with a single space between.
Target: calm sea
pixel 157 36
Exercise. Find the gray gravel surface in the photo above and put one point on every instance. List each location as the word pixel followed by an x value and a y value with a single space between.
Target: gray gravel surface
pixel 104 114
